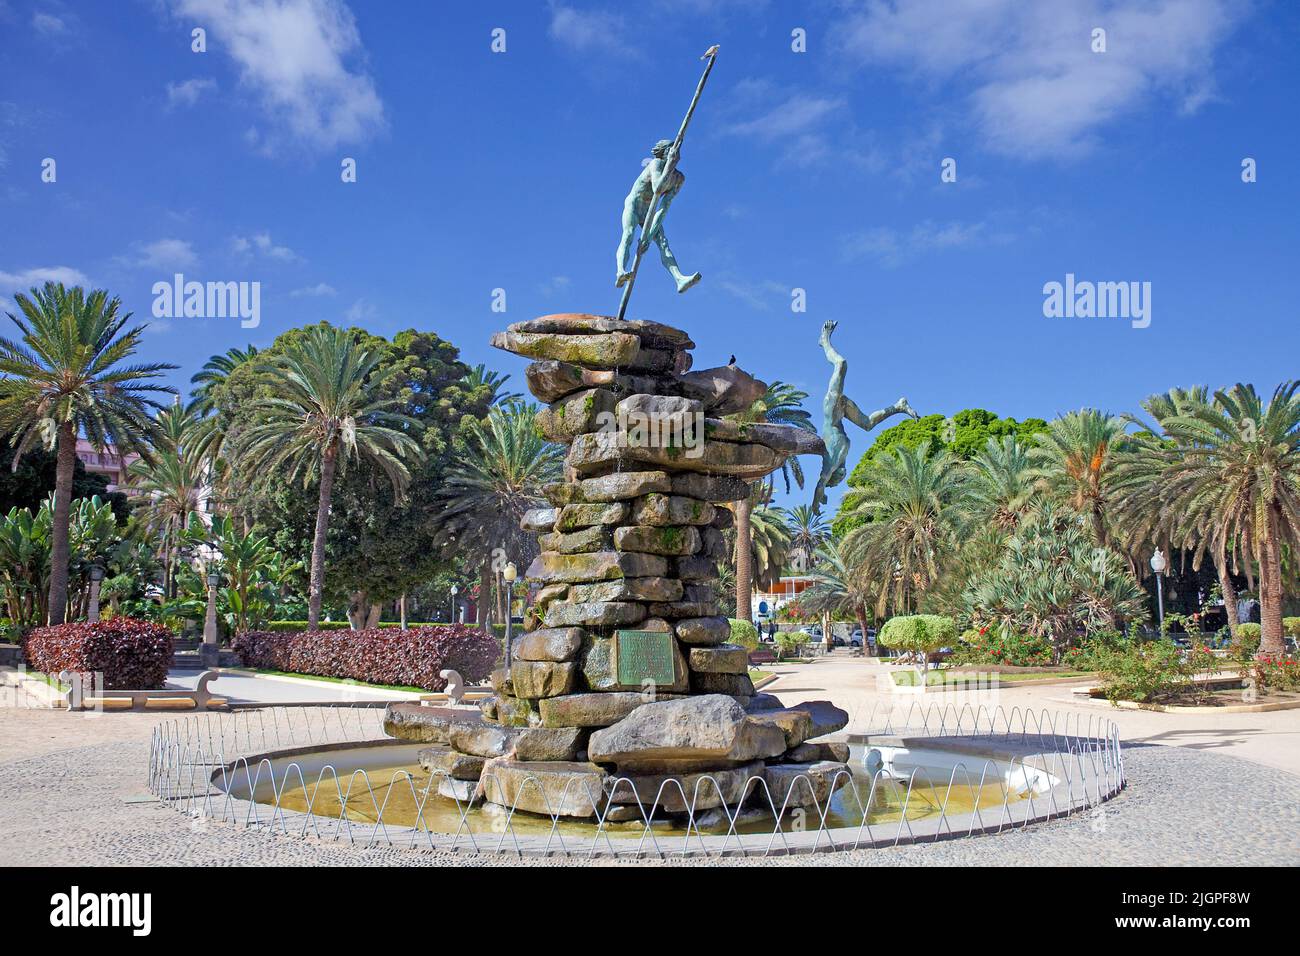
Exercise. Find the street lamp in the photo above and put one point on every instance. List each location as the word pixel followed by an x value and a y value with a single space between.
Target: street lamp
pixel 510 573
pixel 96 579
pixel 1158 565
pixel 209 653
pixel 454 591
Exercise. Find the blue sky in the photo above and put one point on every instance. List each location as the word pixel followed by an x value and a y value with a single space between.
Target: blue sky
pixel 817 170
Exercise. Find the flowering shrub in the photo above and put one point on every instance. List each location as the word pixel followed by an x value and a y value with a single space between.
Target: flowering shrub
pixel 1272 674
pixel 131 654
pixel 995 645
pixel 410 658
pixel 1157 670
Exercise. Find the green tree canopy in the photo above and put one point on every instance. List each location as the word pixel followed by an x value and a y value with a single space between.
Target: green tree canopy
pixel 964 435
pixel 379 545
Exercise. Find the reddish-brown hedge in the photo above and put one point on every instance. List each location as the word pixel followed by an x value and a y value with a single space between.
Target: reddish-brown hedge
pixel 131 654
pixel 409 658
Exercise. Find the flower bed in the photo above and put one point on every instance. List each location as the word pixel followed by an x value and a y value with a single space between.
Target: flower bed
pixel 131 654
pixel 411 658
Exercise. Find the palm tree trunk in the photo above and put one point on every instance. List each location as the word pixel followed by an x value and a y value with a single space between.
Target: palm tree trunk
pixel 744 561
pixel 1270 589
pixel 66 464
pixel 481 606
pixel 318 540
pixel 1099 526
pixel 1229 595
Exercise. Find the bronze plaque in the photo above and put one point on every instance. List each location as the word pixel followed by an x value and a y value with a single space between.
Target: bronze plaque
pixel 641 656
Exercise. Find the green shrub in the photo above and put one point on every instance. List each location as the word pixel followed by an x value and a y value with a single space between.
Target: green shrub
pixel 787 643
pixel 919 633
pixel 1247 642
pixel 744 633
pixel 1142 672
pixel 1291 626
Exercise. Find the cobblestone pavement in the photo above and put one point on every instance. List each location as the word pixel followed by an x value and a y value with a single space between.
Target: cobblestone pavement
pixel 65 783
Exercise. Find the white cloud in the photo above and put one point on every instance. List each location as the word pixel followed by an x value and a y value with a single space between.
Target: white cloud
pixel 590 31
pixel 11 282
pixel 893 247
pixel 302 59
pixel 48 24
pixel 164 254
pixel 805 129
pixel 555 284
pixel 360 311
pixel 261 244
pixel 757 295
pixel 1026 71
pixel 796 115
pixel 187 93
pixel 314 291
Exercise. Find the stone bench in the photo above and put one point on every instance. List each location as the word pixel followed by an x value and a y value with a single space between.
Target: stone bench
pixel 200 698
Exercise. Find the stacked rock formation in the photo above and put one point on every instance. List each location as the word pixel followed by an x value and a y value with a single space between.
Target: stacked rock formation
pixel 627 670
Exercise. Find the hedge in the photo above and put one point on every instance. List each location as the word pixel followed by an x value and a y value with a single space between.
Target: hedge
pixel 410 658
pixel 130 653
pixel 743 633
pixel 289 626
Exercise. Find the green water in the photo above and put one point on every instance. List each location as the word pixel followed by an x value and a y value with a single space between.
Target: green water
pixel 408 797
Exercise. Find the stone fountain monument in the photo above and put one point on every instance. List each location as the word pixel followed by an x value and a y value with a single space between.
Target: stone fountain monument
pixel 626 691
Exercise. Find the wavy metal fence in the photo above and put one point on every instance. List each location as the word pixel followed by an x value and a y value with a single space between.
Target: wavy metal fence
pixel 207 766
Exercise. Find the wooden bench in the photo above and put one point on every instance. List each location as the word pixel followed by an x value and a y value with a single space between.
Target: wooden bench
pixel 762 655
pixel 200 698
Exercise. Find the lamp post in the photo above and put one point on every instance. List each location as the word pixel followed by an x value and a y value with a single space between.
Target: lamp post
pixel 454 591
pixel 1158 565
pixel 210 653
pixel 510 573
pixel 96 579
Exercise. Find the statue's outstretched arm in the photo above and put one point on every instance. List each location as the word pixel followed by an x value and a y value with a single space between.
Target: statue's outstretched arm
pixel 868 422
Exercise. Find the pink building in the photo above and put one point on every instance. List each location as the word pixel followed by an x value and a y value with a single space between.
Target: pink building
pixel 106 462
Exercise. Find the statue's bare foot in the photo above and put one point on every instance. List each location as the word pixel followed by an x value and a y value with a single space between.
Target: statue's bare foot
pixel 685 282
pixel 622 279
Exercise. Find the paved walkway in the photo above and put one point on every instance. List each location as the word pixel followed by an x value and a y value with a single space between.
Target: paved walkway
pixel 858 685
pixel 70 803
pixel 1202 790
pixel 243 688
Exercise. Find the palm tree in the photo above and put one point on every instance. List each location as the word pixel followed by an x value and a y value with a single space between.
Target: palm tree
pixel 67 377
pixel 781 404
pixel 911 502
pixel 482 376
pixel 1001 486
pixel 1235 473
pixel 214 373
pixel 1053 581
pixel 808 531
pixel 841 583
pixel 1074 458
pixel 1142 500
pixel 169 486
pixel 325 413
pixel 497 476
